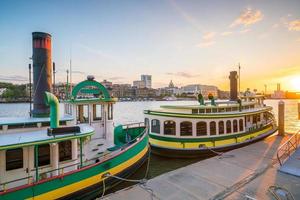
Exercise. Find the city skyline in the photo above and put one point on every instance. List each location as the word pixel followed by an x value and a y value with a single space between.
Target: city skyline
pixel 187 42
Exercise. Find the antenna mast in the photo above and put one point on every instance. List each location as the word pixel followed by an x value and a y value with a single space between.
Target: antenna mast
pixel 239 79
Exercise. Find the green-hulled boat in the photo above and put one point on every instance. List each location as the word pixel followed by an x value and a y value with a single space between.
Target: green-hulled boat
pixel 212 127
pixel 71 161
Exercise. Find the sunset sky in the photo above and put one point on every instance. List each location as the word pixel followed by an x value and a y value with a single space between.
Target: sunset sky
pixel 188 41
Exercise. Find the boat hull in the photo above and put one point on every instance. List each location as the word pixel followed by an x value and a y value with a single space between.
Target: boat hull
pixel 158 148
pixel 75 184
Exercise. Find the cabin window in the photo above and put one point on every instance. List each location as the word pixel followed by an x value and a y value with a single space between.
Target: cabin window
pixel 201 110
pixel 155 126
pixel 234 109
pixel 214 110
pixel 170 127
pixel 254 119
pixel 228 109
pixel 65 150
pixel 221 127
pixel 213 128
pixel 97 112
pixel 201 128
pixel 241 125
pixel 14 159
pixel 228 126
pixel 258 117
pixel 186 129
pixel 235 126
pixel 146 122
pixel 208 110
pixel 82 113
pixel 221 109
pixel 43 155
pixel 194 111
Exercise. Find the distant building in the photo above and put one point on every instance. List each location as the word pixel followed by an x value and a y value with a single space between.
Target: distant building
pixel 223 94
pixel 107 84
pixel 121 90
pixel 197 88
pixel 168 91
pixel 139 84
pixel 147 80
pixel 278 94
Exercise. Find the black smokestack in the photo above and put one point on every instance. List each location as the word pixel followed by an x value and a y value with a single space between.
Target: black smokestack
pixel 233 85
pixel 42 72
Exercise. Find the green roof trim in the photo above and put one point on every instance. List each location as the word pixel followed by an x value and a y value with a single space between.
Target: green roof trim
pixel 84 88
pixel 206 115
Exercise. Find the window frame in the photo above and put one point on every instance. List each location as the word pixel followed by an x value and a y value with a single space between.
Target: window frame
pixel 156 127
pixel 17 163
pixel 186 128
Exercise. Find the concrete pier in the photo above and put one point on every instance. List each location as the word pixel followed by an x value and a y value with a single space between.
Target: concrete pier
pixel 246 174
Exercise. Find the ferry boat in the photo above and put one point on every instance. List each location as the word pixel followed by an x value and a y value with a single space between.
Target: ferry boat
pixel 210 127
pixel 75 155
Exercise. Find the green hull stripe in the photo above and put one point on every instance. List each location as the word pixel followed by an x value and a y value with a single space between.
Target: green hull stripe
pixel 207 139
pixel 77 176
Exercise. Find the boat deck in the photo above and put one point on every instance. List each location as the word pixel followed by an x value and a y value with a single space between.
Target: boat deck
pixel 28 138
pixel 29 120
pixel 244 173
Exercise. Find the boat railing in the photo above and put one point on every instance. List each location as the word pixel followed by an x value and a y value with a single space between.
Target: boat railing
pixel 22 181
pixel 69 168
pixel 287 148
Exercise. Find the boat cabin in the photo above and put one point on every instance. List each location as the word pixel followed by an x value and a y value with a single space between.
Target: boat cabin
pixel 224 117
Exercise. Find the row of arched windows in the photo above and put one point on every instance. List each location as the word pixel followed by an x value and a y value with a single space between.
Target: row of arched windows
pixel 186 127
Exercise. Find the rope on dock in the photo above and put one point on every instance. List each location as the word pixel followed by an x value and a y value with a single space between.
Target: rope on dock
pixel 220 154
pixel 142 181
pixel 287 194
pixel 103 188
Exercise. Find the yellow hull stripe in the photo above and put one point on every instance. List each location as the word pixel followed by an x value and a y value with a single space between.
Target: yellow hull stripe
pixel 63 191
pixel 189 145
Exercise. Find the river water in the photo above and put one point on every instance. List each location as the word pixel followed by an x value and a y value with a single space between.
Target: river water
pixel 129 112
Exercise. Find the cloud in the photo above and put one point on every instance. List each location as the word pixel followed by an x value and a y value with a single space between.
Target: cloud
pixel 13 78
pixel 206 44
pixel 245 31
pixel 77 72
pixel 294 25
pixel 185 15
pixel 209 35
pixel 182 74
pixel 248 17
pixel 207 39
pixel 115 78
pixel 226 33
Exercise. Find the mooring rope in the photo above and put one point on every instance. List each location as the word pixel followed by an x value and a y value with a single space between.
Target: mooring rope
pixel 220 154
pixel 140 181
pixel 272 189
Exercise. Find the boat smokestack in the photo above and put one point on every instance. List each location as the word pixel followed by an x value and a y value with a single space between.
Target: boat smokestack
pixel 42 72
pixel 233 85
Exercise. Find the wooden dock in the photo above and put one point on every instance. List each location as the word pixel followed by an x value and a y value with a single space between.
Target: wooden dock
pixel 245 173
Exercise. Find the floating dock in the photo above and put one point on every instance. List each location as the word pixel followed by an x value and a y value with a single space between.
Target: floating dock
pixel 244 173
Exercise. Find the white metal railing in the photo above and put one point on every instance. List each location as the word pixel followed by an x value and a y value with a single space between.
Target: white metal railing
pixel 287 148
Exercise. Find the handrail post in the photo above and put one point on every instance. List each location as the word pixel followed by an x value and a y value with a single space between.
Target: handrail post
pixel 36 162
pixel 81 144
